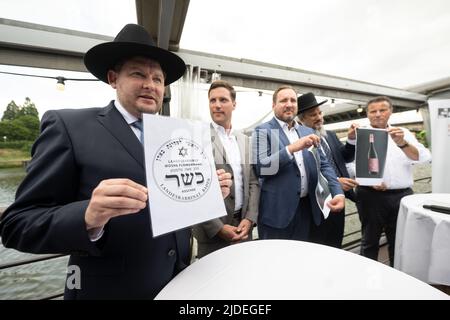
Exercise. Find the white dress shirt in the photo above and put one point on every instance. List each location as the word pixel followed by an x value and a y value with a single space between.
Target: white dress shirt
pixel 292 136
pixel 129 118
pixel 231 147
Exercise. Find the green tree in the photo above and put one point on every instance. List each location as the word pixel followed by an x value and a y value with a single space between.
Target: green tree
pixel 422 137
pixel 28 109
pixel 20 122
pixel 11 112
pixel 13 130
pixel 31 124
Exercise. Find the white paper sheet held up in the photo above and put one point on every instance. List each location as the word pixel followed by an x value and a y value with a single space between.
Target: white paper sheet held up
pixel 322 191
pixel 183 189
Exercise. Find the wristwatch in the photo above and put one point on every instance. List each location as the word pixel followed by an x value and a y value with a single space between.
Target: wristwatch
pixel 403 145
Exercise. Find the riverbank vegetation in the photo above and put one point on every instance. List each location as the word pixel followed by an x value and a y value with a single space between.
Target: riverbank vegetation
pixel 19 127
pixel 11 158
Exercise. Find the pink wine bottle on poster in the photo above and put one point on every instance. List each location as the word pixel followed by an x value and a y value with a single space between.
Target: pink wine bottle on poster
pixel 373 157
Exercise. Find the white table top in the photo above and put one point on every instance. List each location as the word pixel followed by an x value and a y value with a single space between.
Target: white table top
pixel 422 247
pixel 284 269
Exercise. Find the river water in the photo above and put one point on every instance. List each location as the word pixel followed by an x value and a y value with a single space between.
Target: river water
pixel 9 180
pixel 34 281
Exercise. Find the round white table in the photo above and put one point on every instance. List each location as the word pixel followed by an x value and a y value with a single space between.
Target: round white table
pixel 284 269
pixel 422 243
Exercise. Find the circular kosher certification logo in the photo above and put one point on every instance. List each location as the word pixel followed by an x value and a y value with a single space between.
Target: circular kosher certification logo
pixel 181 170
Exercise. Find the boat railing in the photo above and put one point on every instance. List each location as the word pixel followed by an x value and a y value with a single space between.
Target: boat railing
pixel 348 245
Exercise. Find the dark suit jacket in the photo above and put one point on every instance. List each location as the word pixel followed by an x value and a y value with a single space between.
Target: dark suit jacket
pixel 342 153
pixel 75 151
pixel 280 176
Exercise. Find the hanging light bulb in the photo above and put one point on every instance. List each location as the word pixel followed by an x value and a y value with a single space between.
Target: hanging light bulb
pixel 60 83
pixel 332 105
pixel 360 109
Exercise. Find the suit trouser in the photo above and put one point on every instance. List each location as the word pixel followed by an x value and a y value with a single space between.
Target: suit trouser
pixel 331 231
pixel 378 211
pixel 297 229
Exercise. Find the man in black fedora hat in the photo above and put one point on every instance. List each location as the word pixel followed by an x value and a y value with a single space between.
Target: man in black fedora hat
pixel 331 231
pixel 84 193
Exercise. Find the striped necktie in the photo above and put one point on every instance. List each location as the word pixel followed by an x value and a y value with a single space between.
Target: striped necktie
pixel 326 149
pixel 138 124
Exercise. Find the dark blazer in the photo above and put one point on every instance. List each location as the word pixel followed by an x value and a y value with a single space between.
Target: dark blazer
pixel 342 153
pixel 74 152
pixel 280 176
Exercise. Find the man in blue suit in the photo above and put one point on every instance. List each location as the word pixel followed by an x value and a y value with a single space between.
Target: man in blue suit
pixel 84 193
pixel 331 232
pixel 288 207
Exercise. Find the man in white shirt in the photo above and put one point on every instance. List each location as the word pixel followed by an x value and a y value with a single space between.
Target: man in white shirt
pixel 232 153
pixel 378 206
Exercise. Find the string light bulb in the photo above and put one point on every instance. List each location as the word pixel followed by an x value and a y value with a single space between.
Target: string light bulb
pixel 360 109
pixel 332 105
pixel 60 83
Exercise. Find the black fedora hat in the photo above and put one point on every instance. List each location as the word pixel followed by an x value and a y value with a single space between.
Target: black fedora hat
pixel 132 40
pixel 308 101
